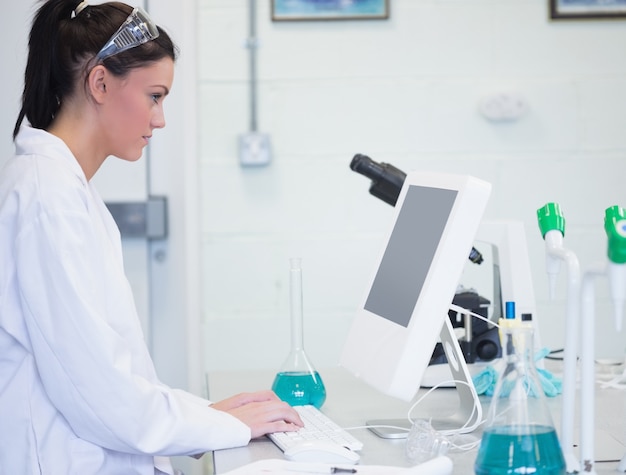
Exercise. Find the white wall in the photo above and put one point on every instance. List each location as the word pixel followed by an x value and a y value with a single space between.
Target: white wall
pixel 404 91
pixel 14 28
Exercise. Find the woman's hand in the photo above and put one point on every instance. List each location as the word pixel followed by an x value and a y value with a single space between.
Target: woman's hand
pixel 262 411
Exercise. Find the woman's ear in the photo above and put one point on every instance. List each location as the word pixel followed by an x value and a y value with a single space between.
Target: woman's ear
pixel 96 83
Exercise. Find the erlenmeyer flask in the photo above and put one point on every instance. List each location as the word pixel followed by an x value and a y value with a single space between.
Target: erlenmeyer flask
pixel 519 436
pixel 297 382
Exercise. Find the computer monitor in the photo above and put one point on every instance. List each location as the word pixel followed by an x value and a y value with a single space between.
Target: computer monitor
pixel 406 304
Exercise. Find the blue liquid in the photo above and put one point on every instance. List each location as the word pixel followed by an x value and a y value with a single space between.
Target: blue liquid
pixel 504 451
pixel 300 389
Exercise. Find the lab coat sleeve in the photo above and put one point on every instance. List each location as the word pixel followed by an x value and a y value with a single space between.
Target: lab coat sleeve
pixel 89 349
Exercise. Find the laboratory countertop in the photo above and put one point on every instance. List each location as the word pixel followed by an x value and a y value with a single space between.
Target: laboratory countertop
pixel 350 402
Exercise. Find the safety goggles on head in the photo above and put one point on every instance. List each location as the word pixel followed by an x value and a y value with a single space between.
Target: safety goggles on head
pixel 136 30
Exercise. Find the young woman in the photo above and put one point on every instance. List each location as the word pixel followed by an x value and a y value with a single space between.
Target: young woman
pixel 78 391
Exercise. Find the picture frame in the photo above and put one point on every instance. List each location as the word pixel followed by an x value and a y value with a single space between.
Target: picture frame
pixel 316 10
pixel 587 9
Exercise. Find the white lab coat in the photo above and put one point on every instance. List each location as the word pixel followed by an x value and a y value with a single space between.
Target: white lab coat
pixel 78 391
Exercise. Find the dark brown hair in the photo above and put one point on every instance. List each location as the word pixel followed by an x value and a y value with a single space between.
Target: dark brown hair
pixel 62 48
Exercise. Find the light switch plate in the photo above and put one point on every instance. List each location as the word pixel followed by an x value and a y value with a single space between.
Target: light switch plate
pixel 254 149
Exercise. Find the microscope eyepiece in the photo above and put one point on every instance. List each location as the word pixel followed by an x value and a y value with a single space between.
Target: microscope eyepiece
pixel 366 166
pixel 386 179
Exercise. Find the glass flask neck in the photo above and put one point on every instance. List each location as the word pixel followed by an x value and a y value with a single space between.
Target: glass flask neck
pixel 297 359
pixel 518 347
pixel 295 299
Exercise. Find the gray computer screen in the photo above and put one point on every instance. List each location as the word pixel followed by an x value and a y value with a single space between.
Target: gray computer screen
pixel 409 253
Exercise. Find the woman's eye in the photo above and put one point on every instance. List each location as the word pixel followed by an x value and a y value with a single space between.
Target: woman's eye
pixel 156 97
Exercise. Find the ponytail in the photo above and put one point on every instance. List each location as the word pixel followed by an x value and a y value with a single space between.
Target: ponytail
pixel 63 45
pixel 44 81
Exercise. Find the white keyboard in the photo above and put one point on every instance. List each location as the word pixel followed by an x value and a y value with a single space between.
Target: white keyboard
pixel 317 426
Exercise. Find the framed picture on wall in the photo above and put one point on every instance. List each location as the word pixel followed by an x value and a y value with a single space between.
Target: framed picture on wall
pixel 572 9
pixel 304 10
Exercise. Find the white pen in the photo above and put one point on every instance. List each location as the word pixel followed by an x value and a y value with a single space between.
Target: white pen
pixel 318 468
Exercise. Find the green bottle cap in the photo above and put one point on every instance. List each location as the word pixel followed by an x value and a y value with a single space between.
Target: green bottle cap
pixel 550 218
pixel 615 227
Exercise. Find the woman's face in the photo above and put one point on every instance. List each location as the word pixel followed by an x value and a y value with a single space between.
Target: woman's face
pixel 135 108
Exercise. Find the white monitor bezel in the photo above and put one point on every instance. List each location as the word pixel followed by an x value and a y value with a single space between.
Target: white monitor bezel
pixel 393 358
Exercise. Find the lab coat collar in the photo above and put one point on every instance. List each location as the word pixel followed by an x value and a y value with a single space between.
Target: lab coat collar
pixel 32 141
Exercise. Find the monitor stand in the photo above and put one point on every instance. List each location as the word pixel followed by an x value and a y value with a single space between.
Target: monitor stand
pixel 469 414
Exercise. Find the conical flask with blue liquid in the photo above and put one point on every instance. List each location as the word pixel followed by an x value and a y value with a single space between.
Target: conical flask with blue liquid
pixel 519 436
pixel 297 382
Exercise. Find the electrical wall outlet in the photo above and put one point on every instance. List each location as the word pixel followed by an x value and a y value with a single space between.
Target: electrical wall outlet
pixel 254 149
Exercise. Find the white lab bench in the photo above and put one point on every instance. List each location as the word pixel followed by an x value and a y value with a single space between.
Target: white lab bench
pixel 350 402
